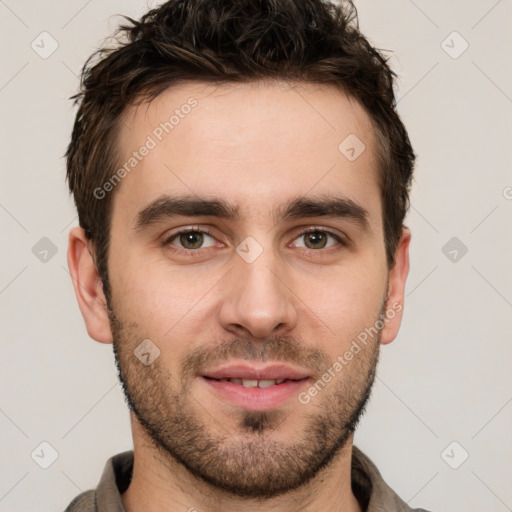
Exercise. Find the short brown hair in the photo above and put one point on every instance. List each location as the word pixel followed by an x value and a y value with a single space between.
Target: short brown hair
pixel 223 41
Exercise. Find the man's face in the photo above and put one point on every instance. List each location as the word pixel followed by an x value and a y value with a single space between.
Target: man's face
pixel 286 266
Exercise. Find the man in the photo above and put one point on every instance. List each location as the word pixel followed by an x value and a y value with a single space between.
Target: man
pixel 241 179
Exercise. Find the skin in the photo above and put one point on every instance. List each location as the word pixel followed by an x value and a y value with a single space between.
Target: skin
pixel 257 145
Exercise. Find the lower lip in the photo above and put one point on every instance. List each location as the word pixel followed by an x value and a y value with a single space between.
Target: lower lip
pixel 256 399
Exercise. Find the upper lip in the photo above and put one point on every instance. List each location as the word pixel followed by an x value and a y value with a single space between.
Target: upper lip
pixel 245 371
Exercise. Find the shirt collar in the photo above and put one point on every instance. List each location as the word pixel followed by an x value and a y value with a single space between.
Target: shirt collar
pixel 367 484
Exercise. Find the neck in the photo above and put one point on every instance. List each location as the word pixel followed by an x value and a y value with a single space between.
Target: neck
pixel 173 488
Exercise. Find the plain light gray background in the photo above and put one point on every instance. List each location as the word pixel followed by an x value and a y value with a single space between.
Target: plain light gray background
pixel 446 378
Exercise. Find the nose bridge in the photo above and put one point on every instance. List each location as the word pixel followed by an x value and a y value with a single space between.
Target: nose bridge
pixel 256 299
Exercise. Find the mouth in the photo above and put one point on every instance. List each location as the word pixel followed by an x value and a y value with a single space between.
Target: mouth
pixel 243 371
pixel 256 388
pixel 255 383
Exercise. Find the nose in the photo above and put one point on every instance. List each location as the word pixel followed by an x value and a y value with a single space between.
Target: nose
pixel 256 300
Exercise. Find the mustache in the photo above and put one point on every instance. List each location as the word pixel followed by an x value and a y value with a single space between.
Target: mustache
pixel 283 349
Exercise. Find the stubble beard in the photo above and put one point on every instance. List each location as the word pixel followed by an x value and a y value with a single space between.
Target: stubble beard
pixel 243 460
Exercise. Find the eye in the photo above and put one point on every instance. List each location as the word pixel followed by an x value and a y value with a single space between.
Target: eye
pixel 318 239
pixel 191 239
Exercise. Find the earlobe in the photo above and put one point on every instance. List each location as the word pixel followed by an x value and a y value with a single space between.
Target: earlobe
pixel 396 289
pixel 88 286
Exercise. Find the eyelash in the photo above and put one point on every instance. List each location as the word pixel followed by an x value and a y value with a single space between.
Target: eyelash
pixel 167 241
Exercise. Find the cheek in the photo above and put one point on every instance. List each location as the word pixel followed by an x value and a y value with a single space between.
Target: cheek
pixel 347 303
pixel 162 300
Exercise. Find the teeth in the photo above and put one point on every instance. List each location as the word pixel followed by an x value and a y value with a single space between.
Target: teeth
pixel 250 383
pixel 246 383
pixel 266 383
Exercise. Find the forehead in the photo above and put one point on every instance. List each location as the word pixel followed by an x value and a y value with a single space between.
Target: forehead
pixel 254 144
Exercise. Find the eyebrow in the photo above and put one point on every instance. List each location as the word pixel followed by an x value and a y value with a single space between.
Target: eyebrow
pixel 325 206
pixel 185 206
pixel 167 206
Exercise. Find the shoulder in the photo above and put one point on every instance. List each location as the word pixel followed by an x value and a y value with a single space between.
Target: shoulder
pixel 371 489
pixel 85 502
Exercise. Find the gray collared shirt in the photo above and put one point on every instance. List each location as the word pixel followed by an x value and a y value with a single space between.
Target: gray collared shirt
pixel 369 487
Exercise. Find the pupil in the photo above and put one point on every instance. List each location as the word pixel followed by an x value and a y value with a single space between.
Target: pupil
pixel 191 240
pixel 315 240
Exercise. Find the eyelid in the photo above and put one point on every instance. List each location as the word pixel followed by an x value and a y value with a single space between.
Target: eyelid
pixel 187 229
pixel 341 240
pixel 341 237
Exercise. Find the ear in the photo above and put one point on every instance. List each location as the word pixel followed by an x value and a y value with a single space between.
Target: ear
pixel 88 286
pixel 396 289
